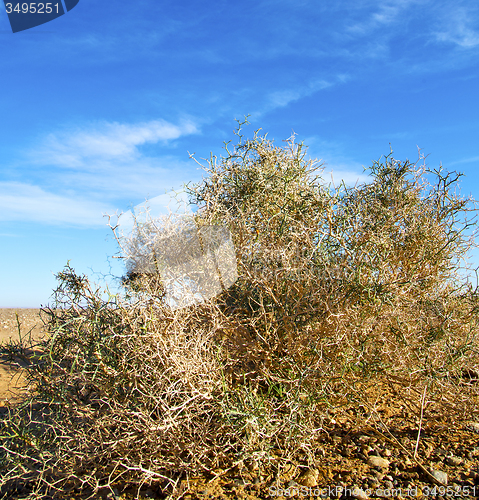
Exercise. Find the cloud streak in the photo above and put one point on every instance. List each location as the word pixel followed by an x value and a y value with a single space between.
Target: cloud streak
pixel 85 172
pixel 474 159
pixel 459 29
pixel 107 141
pixel 20 202
pixel 282 98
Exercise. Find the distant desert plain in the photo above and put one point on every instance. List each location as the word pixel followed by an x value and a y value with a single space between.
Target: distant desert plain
pixel 12 382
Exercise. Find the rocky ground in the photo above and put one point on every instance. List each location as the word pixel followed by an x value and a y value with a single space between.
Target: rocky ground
pixel 363 454
pixel 387 452
pixel 353 463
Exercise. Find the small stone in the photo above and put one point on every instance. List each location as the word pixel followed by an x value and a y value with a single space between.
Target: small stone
pixel 309 478
pixel 439 476
pixel 364 438
pixel 372 482
pixel 359 494
pixel 472 426
pixel 288 472
pixel 387 453
pixel 454 461
pixel 366 450
pixel 388 485
pixel 375 461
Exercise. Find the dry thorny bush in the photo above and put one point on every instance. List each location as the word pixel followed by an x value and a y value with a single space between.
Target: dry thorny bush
pixel 337 288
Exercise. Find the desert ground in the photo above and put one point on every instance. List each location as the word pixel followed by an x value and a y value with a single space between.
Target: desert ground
pixel 11 381
pixel 351 455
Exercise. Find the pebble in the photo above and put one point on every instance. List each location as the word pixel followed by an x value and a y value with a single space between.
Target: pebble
pixel 364 438
pixel 473 426
pixel 288 472
pixel 439 475
pixel 375 461
pixel 373 482
pixel 366 449
pixel 388 485
pixel 378 475
pixel 309 478
pixel 454 461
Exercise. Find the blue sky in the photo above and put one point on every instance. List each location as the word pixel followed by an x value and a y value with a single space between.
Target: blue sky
pixel 100 107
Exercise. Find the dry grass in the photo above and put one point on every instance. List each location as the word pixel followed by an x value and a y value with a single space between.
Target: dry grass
pixel 336 288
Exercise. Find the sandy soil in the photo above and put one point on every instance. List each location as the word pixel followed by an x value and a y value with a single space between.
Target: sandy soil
pixel 11 380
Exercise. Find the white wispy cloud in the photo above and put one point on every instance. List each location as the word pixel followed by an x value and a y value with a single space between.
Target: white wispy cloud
pixel 384 13
pixel 86 171
pixel 21 201
pixel 460 27
pixel 281 98
pixel 474 159
pixel 106 158
pixel 106 141
pixel 378 23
